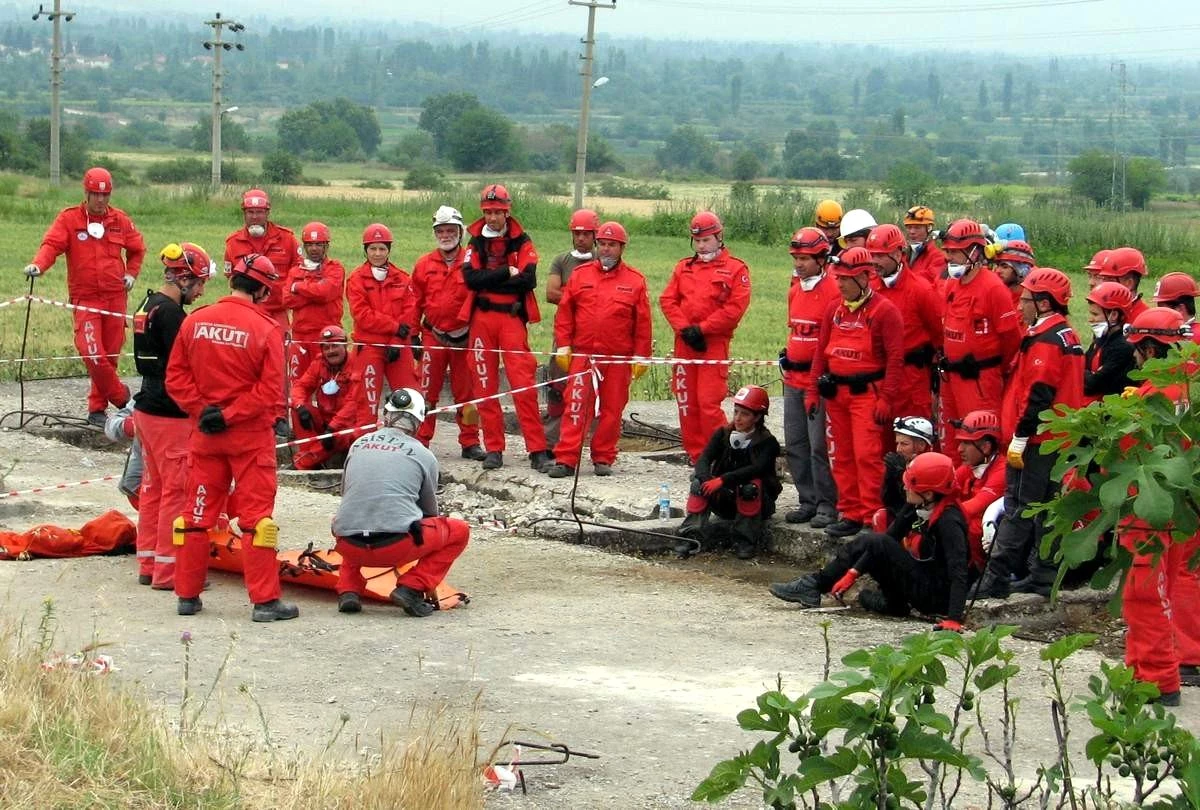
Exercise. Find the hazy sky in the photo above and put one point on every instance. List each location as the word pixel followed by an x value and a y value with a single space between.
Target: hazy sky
pixel 1137 30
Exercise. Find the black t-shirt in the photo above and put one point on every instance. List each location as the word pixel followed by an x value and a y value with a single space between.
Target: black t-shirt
pixel 155 325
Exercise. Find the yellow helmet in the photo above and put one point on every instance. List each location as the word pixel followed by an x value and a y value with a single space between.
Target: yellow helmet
pixel 828 214
pixel 919 215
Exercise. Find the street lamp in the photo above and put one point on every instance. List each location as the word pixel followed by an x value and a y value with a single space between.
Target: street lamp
pixel 581 143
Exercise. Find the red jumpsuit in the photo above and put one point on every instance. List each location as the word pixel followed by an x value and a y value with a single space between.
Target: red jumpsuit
pixel 499 305
pixel 601 312
pixel 96 270
pixel 862 355
pixel 280 246
pixel 713 296
pixel 805 311
pixel 440 292
pixel 930 263
pixel 380 310
pixel 921 309
pixel 982 333
pixel 229 355
pixel 975 495
pixel 315 300
pixel 346 407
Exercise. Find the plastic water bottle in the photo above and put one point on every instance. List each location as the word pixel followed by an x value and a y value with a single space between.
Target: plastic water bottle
pixel 664 501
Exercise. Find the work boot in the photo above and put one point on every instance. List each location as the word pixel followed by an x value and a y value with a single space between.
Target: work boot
pixel 540 461
pixel 412 600
pixel 743 549
pixel 874 601
pixel 493 460
pixel 990 586
pixel 1189 675
pixel 602 470
pixel 803 591
pixel 349 602
pixel 844 528
pixel 274 611
pixel 823 520
pixel 97 419
pixel 473 453
pixel 145 579
pixel 1031 584
pixel 1168 698
pixel 803 514
pixel 189 606
pixel 560 471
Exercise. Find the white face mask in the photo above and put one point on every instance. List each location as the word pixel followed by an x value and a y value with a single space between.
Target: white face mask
pixel 809 284
pixel 379 273
pixel 583 257
pixel 1100 329
pixel 95 230
pixel 915 245
pixel 890 281
pixel 309 264
pixel 256 231
pixel 608 263
pixel 490 232
pixel 956 270
pixel 739 440
pixel 707 257
pixel 923 512
pixel 330 388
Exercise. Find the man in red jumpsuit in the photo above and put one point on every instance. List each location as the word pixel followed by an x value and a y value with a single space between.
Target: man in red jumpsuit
pixel 1048 373
pixel 440 290
pixel 224 371
pixel 980 328
pixel 1011 261
pixel 1127 267
pixel 925 257
pixel 327 399
pixel 980 478
pixel 383 307
pixel 1092 268
pixel 1161 598
pixel 605 309
pixel 500 268
pixel 1179 291
pixel 858 371
pixel 258 235
pixel 921 309
pixel 104 256
pixel 313 293
pixel 704 302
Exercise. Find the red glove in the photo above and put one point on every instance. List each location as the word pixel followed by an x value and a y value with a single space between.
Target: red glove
pixel 845 583
pixel 710 486
pixel 949 624
pixel 883 413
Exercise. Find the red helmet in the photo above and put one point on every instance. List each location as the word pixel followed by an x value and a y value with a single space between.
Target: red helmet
pixel 256 198
pixel 930 472
pixel 809 242
pixel 98 180
pixel 376 232
pixel 333 334
pixel 1158 323
pixel 706 223
pixel 613 232
pixel 257 267
pixel 852 261
pixel 919 215
pixel 753 398
pixel 315 232
pixel 1097 261
pixel 1111 295
pixel 963 233
pixel 1174 286
pixel 1015 251
pixel 979 425
pixel 885 239
pixel 585 219
pixel 495 197
pixel 1122 261
pixel 1053 283
pixel 186 259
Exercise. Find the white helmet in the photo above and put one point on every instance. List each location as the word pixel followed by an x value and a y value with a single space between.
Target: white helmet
pixel 916 426
pixel 855 220
pixel 402 402
pixel 991 521
pixel 448 215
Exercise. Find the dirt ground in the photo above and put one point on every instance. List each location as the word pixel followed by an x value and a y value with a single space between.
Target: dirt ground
pixel 644 662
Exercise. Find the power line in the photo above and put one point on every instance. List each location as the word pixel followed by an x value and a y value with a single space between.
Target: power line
pixel 835 10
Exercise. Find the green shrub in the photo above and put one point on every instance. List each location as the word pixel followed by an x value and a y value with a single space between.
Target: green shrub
pixel 282 168
pixel 629 189
pixel 380 184
pixel 425 177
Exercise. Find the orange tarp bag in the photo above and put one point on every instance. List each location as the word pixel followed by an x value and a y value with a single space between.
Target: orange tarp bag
pixel 111 533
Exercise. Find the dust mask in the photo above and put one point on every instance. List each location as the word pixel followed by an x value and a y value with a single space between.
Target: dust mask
pixel 707 257
pixel 490 233
pixel 1100 329
pixel 583 257
pixel 890 281
pixel 379 273
pixel 739 440
pixel 915 246
pixel 608 263
pixel 330 388
pixel 956 270
pixel 809 284
pixel 924 512
pixel 309 264
pixel 256 231
pixel 95 230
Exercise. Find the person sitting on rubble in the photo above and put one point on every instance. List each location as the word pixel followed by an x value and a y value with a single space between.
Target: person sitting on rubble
pixel 914 436
pixel 734 479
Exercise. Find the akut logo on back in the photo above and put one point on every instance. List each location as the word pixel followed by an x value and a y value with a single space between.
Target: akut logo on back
pixel 223 335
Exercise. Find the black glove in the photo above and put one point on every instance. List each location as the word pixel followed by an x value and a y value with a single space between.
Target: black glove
pixel 403 331
pixel 304 417
pixel 812 412
pixel 417 348
pixel 693 337
pixel 212 420
pixel 826 387
pixel 281 428
pixel 784 363
pixel 327 443
pixel 695 487
pixel 392 354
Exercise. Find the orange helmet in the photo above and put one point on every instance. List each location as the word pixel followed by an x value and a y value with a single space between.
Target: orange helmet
pixel 186 259
pixel 585 219
pixel 1174 286
pixel 257 267
pixel 315 233
pixel 613 232
pixel 706 223
pixel 1051 282
pixel 1097 261
pixel 1122 261
pixel 376 232
pixel 333 334
pixel 98 180
pixel 1160 324
pixel 753 398
pixel 809 242
pixel 930 472
pixel 495 197
pixel 1111 295
pixel 885 239
pixel 919 215
pixel 828 214
pixel 979 425
pixel 963 233
pixel 256 198
pixel 852 261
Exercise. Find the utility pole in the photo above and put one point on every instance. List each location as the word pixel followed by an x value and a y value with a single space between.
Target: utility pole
pixel 55 18
pixel 584 108
pixel 217 46
pixel 1119 160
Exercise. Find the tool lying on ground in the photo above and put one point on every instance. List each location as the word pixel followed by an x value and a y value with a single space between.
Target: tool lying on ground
pixel 507 777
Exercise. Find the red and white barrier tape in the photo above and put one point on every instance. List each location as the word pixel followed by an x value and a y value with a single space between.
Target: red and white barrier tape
pixel 53 487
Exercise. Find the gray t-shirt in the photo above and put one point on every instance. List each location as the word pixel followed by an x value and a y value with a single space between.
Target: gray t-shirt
pixel 390 481
pixel 563 264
